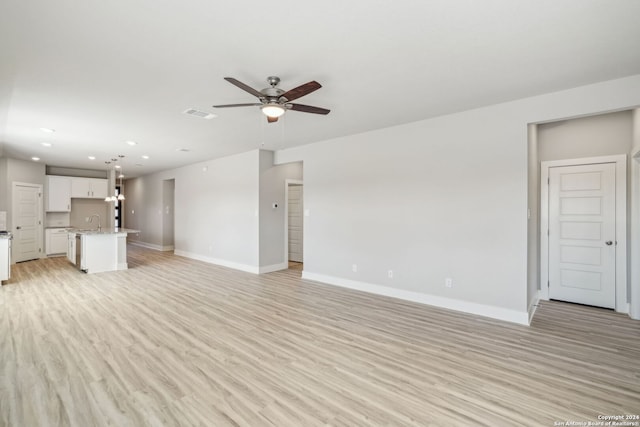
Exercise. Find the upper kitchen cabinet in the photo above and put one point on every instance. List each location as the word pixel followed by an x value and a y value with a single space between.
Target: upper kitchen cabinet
pixel 89 188
pixel 58 194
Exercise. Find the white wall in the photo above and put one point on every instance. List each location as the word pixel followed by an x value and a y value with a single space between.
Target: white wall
pixel 143 209
pixel 4 188
pixel 82 208
pixel 433 203
pixel 636 129
pixel 593 136
pixel 444 197
pixel 19 171
pixel 216 210
pixel 168 215
pixel 272 190
pixel 533 222
pixel 222 210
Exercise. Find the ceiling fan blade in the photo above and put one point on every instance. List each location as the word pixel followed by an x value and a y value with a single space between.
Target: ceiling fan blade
pixel 272 119
pixel 301 90
pixel 244 87
pixel 236 105
pixel 308 109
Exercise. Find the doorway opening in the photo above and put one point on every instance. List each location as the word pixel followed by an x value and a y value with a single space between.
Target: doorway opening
pixel 118 220
pixel 583 244
pixel 168 214
pixel 26 222
pixel 584 203
pixel 294 225
pixel 563 145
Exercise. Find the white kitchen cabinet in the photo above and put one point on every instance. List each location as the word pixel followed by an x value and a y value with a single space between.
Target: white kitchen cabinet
pixel 5 258
pixel 56 241
pixel 58 194
pixel 89 188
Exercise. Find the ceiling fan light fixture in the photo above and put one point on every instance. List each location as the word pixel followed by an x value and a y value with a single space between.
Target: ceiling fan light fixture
pixel 272 110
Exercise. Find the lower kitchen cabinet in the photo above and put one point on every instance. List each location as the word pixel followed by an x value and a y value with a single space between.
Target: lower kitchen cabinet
pixel 56 241
pixel 5 258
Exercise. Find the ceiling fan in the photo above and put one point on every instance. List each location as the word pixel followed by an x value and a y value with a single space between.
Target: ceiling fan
pixel 275 101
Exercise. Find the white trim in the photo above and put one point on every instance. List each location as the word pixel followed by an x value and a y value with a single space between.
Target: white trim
pixel 448 303
pixel 621 222
pixel 544 230
pixel 221 262
pixel 151 246
pixel 288 182
pixel 273 267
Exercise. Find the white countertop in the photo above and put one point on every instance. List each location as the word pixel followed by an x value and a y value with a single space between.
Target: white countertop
pixel 104 231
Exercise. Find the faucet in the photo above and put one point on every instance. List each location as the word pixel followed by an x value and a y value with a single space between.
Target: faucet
pixel 99 224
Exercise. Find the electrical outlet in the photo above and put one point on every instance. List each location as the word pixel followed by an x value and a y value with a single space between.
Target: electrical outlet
pixel 390 274
pixel 448 282
pixel 354 268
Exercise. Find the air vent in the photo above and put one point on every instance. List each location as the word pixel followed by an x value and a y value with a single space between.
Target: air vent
pixel 198 113
pixel 183 150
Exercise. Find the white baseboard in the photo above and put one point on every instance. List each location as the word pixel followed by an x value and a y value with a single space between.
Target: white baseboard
pixel 533 306
pixel 520 317
pixel 273 267
pixel 151 246
pixel 221 262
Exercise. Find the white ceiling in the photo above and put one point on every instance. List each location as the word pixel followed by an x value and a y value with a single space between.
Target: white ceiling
pixel 103 72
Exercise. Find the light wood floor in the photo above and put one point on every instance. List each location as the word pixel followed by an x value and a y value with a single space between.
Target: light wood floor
pixel 173 341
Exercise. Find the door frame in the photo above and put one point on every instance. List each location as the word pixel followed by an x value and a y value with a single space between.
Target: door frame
pixel 14 208
pixel 288 182
pixel 620 160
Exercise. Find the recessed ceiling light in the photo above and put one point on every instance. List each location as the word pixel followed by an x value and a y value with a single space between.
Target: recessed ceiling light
pixel 92 157
pixel 47 130
pixel 121 175
pixel 145 157
pixel 131 142
pixel 118 166
pixel 45 144
pixel 35 159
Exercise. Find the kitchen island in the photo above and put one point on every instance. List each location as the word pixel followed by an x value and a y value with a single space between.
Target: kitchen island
pixel 96 251
pixel 5 256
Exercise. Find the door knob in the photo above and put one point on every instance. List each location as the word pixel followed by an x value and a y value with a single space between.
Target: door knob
pixel 18 227
pixel 608 243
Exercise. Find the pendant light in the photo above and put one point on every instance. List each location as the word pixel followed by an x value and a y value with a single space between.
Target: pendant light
pixel 121 196
pixel 115 198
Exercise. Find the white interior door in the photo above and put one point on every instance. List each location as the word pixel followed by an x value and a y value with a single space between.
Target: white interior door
pixel 295 222
pixel 582 234
pixel 27 222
